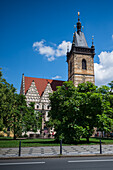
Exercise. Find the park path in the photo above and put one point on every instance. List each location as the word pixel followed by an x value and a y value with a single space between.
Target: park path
pixel 55 151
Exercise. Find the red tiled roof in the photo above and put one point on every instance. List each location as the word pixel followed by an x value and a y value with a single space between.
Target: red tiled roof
pixel 41 84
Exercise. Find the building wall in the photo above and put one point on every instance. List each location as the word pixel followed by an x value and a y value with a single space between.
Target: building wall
pixel 79 75
pixel 42 103
pixel 32 94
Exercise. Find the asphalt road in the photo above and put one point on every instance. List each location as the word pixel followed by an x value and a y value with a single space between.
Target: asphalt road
pixel 84 163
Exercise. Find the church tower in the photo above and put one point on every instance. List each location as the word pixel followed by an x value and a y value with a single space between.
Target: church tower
pixel 80 58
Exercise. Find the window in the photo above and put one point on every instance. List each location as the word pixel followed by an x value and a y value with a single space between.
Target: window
pixel 42 106
pixel 84 67
pixel 48 107
pixel 37 106
pixel 70 66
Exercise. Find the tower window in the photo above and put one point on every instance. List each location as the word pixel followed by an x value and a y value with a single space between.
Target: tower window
pixel 70 66
pixel 84 67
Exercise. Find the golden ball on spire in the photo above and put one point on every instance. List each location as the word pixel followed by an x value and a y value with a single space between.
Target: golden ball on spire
pixel 78 14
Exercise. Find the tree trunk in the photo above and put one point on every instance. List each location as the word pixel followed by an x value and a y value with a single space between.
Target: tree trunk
pixel 87 139
pixel 102 134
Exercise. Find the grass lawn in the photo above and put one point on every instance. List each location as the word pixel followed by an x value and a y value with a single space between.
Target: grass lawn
pixel 8 142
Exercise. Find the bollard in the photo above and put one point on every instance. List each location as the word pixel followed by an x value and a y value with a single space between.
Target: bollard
pixel 100 147
pixel 20 148
pixel 61 147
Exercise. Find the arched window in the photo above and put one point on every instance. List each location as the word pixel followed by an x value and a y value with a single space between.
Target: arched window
pixel 84 66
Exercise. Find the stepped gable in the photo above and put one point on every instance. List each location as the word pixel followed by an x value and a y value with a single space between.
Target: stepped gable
pixel 41 84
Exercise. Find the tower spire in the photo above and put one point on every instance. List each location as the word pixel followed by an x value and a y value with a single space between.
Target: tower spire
pixel 78 24
pixel 92 40
pixel 93 47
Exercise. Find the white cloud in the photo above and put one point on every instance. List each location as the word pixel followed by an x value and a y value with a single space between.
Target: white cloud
pixel 51 52
pixel 104 70
pixel 47 51
pixel 112 37
pixel 42 49
pixel 52 58
pixel 56 77
pixel 62 48
pixel 38 44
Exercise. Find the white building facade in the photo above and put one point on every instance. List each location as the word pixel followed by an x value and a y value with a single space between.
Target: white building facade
pixel 37 90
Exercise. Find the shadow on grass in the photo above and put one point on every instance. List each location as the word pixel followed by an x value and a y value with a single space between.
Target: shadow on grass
pixel 95 140
pixel 58 142
pixel 41 142
pixel 8 139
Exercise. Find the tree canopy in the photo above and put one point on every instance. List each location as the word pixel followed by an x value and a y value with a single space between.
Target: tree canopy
pixel 76 111
pixel 14 113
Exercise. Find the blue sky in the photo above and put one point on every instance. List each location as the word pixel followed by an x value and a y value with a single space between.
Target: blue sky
pixel 34 32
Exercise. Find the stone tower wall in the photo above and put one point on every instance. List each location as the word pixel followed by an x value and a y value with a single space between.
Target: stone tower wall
pixel 77 74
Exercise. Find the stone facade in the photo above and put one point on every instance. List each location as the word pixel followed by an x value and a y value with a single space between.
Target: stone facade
pixel 75 71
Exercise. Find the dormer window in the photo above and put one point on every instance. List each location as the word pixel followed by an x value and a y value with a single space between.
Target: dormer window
pixel 84 66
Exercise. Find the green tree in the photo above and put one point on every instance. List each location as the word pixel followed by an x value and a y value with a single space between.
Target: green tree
pixel 7 92
pixel 105 124
pixel 105 119
pixel 14 112
pixel 111 86
pixel 76 111
pixel 32 119
pixel 64 112
pixel 90 107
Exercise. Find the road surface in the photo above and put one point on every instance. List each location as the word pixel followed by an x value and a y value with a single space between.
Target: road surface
pixel 84 163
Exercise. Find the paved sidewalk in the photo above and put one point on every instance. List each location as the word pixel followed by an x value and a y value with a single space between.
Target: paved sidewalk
pixel 55 151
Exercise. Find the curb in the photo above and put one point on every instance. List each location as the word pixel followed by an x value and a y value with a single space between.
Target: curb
pixel 58 156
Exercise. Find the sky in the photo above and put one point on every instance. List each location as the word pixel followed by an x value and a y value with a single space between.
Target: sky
pixel 34 35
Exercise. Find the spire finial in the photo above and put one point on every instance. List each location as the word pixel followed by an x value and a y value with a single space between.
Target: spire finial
pixel 92 40
pixel 78 16
pixel 82 27
pixel 78 24
pixel 74 27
